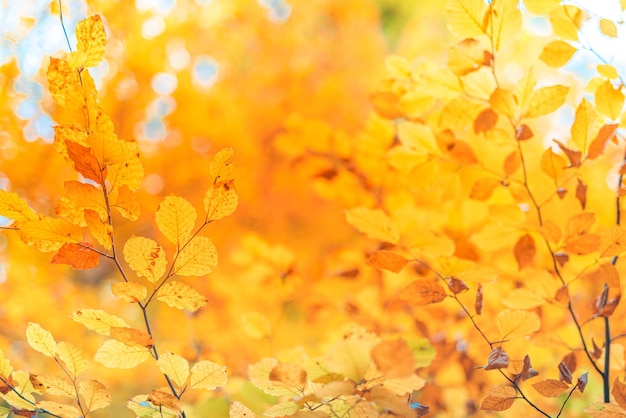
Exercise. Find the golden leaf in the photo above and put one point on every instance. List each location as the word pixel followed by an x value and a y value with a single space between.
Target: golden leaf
pixel 222 166
pixel 197 258
pixel 607 71
pixel 567 20
pixel 94 395
pixel 552 164
pixel 619 392
pixel 466 19
pixel 544 100
pixel 504 21
pixel 163 398
pixel 84 162
pixel 72 357
pixel 514 324
pixel 541 7
pixel 466 56
pixel 98 321
pixel 503 102
pixel 374 223
pixel 114 354
pixel 101 230
pixel 523 299
pixel 386 260
pixel 609 100
pixel 207 375
pixel 125 201
pixel 132 337
pixel 557 53
pixel 145 257
pixel 91 40
pixel 584 122
pixel 524 251
pixel 255 325
pixel 176 367
pixel 59 409
pixel 131 292
pixel 181 296
pixel 56 386
pixel 129 170
pixel 14 207
pixel 79 256
pixel 40 339
pixel 239 410
pixel 49 234
pixel 608 28
pixel 220 200
pixel 418 137
pixel 499 398
pixel 176 218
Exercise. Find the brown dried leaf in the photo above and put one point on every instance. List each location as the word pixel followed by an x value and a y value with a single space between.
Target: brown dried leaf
pixel 581 193
pixel 523 133
pixel 562 295
pixel 290 374
pixel 574 157
pixel 582 382
pixel 386 260
pixel 550 387
pixel 565 374
pixel 619 392
pixel 423 292
pixel 604 135
pixel 561 258
pixel 478 304
pixel 498 359
pixel 457 286
pixel 499 398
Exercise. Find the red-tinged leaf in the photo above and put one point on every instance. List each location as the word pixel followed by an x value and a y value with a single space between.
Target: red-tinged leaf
pixel 570 361
pixel 498 359
pixel 499 398
pixel 597 351
pixel 478 303
pixel 561 258
pixel 574 157
pixel 423 292
pixel 524 251
pixel 550 387
pixel 512 163
pixel 457 286
pixel 485 121
pixel 581 193
pixel 386 260
pixel 565 373
pixel 619 392
pixel 609 308
pixel 461 152
pixel 523 133
pixel 79 256
pixel 582 382
pixel 598 144
pixel 85 162
pixel 552 164
pixel 562 295
pixel 585 244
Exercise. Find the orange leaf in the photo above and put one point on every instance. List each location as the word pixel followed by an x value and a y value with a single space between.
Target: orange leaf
pixel 386 260
pixel 132 337
pixel 485 121
pixel 582 245
pixel 160 398
pixel 499 398
pixel 85 162
pixel 483 189
pixel 581 193
pixel 79 256
pixel 604 135
pixel 524 251
pixel 290 374
pixel 512 163
pixel 523 133
pixel 552 164
pixel 423 292
pixel 619 392
pixel 131 292
pixel 551 387
pixel 394 358
pixel 573 156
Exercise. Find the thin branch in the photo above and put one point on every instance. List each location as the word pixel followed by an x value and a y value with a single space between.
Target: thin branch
pixel 67 39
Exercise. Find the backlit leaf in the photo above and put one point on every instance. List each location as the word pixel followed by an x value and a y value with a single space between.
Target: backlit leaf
pixel 552 164
pixel 143 408
pixel 164 398
pixel 126 203
pixel 423 292
pixel 524 251
pixel 220 200
pixel 145 257
pixel 418 137
pixel 557 53
pixel 85 162
pixel 197 258
pixel 609 100
pixel 207 375
pixel 523 299
pixel 605 410
pixel 567 20
pixel 40 339
pixel 176 367
pixel 608 28
pixel 72 357
pixel 59 409
pixel 56 386
pixel 98 321
pixel 114 354
pixel 584 122
pixel 544 100
pixel 91 39
pixel 132 292
pixel 132 337
pixel 79 256
pixel 100 230
pixel 504 22
pixel 176 218
pixel 386 260
pixel 551 387
pixel 14 207
pixel 181 296
pixel 94 395
pixel 517 323
pixel 598 144
pixel 49 234
pixel 282 409
pixel 607 71
pixel 499 398
pixel 374 223
pixel 239 410
pixel 503 102
pixel 619 392
pixel 466 18
pixel 351 357
pixel 222 166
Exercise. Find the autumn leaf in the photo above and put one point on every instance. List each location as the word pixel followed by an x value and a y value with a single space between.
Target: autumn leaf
pixel 609 100
pixel 239 410
pixel 49 234
pixel 14 207
pixel 176 218
pixel 423 292
pixel 163 398
pixel 40 339
pixel 551 387
pixel 197 258
pixel 619 392
pixel 91 40
pixel 132 337
pixel 59 409
pixel 94 395
pixel 598 144
pixel 176 367
pixel 552 164
pixel 98 320
pixel 132 292
pixel 54 385
pixel 207 375
pixel 544 100
pixel 220 201
pixel 466 18
pixel 394 358
pixel 504 21
pixel 145 257
pixel 72 357
pixel 181 296
pixel 498 359
pixel 386 260
pixel 374 223
pixel 115 354
pixel 80 256
pixel 499 398
pixel 582 127
pixel 557 53
pixel 524 251
pixel 255 325
pixel 517 323
pixel 608 28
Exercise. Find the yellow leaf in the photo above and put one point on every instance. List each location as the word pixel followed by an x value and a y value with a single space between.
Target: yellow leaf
pixel 143 408
pixel 220 200
pixel 14 207
pixel 101 230
pixel 605 410
pixel 523 299
pixel 72 357
pixel 398 66
pixel 176 367
pixel 552 164
pixel 40 339
pixel 176 218
pixel 86 196
pixel 98 321
pixel 259 374
pixel 415 103
pixel 513 324
pixel 402 386
pixel 255 325
pixel 181 296
pixel 351 357
pixel 504 21
pixel 479 83
pixel 608 28
pixel 222 166
pixel 466 56
pixel 197 258
pixel 466 18
pixel 544 100
pixel 418 137
pixel 557 53
pixel 423 292
pixel 129 170
pixel 608 71
pixel 282 409
pixel 239 410
pixel 114 354
pixel 609 100
pixel 207 375
pixel 57 386
pixel 566 21
pixel 132 337
pixel 551 387
pixel 49 234
pixel 59 409
pixel 145 257
pixel 91 40
pixel 5 366
pixel 125 202
pixel 131 292
pixel 503 102
pixel 25 399
pixel 374 223
pixel 582 128
pixel 94 395
pixel 65 87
